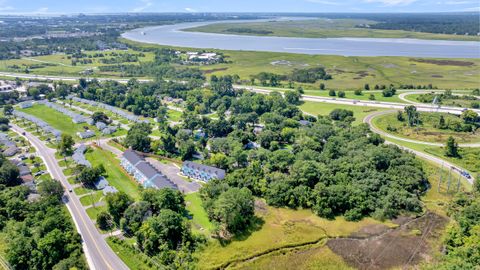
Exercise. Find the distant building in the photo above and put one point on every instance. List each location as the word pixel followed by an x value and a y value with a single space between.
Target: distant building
pixel 304 122
pixel 100 125
pixel 143 172
pixel 26 104
pixel 86 134
pixel 202 172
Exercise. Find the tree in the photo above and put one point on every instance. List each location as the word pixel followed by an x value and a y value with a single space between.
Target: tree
pixel 8 109
pixel 138 137
pixel 366 87
pixel 88 176
pixel 134 216
pixel 234 209
pixel 104 221
pixel 371 97
pixel 8 173
pixel 469 117
pixel 412 115
pixel 400 116
pixel 322 86
pixel 100 117
pixel 340 114
pixel 441 122
pixel 117 203
pixel 165 229
pixel 165 198
pixel 332 93
pixel 341 94
pixel 451 148
pixel 65 146
pixel 51 188
pixel 292 97
pixel 357 92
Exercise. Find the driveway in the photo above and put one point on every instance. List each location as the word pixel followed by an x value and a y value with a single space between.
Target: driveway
pixel 172 171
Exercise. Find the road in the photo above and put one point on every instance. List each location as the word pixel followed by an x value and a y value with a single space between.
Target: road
pixel 367 103
pixel 99 255
pixel 403 96
pixel 369 118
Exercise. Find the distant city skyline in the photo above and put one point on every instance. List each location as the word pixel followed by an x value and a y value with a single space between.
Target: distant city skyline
pixel 189 6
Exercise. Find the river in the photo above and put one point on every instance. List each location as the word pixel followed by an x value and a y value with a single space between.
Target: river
pixel 172 35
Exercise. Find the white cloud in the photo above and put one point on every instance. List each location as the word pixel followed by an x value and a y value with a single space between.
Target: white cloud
pixel 4 6
pixel 190 9
pixel 392 2
pixel 145 4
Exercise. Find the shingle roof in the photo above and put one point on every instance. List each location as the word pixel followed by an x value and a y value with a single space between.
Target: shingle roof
pixel 132 157
pixel 204 168
pixel 146 169
pixel 162 182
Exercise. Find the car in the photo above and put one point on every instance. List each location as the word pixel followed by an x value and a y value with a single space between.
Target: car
pixel 70 190
pixel 39 173
pixel 23 133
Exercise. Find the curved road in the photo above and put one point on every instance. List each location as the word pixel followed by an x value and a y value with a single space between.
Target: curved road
pixel 369 118
pixel 99 255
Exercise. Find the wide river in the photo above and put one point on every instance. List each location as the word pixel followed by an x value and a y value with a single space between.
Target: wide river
pixel 172 35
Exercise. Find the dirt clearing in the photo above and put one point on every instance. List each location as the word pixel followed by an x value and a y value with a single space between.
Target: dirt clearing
pixel 401 247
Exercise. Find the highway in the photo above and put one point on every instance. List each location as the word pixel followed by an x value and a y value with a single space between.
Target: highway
pixel 368 119
pixel 99 255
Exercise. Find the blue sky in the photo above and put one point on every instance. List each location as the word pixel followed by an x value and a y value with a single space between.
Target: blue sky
pixel 114 6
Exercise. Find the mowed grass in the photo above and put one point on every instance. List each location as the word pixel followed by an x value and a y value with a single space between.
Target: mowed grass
pixel 281 228
pixel 321 28
pixel 114 172
pixel 319 108
pixel 55 119
pixel 127 255
pixel 427 131
pixel 199 217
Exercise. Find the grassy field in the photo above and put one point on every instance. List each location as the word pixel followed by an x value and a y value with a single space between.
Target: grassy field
pixel 465 103
pixel 281 228
pixel 174 116
pixel 318 108
pixel 59 64
pixel 114 173
pixel 199 218
pixel 128 255
pixel 55 119
pixel 427 131
pixel 320 28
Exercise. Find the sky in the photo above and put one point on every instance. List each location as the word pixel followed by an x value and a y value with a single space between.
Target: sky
pixel 117 6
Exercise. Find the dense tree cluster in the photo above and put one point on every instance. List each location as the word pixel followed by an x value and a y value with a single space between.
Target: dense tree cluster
pixel 157 221
pixel 309 75
pixel 40 234
pixel 462 241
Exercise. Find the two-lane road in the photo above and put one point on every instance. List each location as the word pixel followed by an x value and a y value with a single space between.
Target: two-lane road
pixel 99 255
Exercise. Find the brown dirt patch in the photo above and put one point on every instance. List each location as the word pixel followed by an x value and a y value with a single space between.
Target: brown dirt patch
pixel 402 247
pixel 261 207
pixel 444 62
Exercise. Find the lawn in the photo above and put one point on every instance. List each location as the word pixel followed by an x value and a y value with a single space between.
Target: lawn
pixel 320 28
pixel 91 198
pixel 55 119
pixel 115 175
pixel 92 212
pixel 427 131
pixel 199 216
pixel 134 260
pixel 174 115
pixel 318 108
pixel 279 228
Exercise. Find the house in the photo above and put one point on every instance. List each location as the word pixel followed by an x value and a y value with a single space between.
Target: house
pixel 26 104
pixel 79 157
pixel 109 130
pixel 304 122
pixel 201 172
pixel 100 125
pixel 86 134
pixel 10 147
pixel 252 145
pixel 78 119
pixel 101 183
pixel 24 170
pixel 143 172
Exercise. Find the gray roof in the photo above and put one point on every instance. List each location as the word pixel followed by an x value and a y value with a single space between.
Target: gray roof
pixel 101 183
pixel 204 168
pixel 161 181
pixel 132 157
pixel 86 134
pixel 146 169
pixel 79 157
pixel 127 115
pixel 24 170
